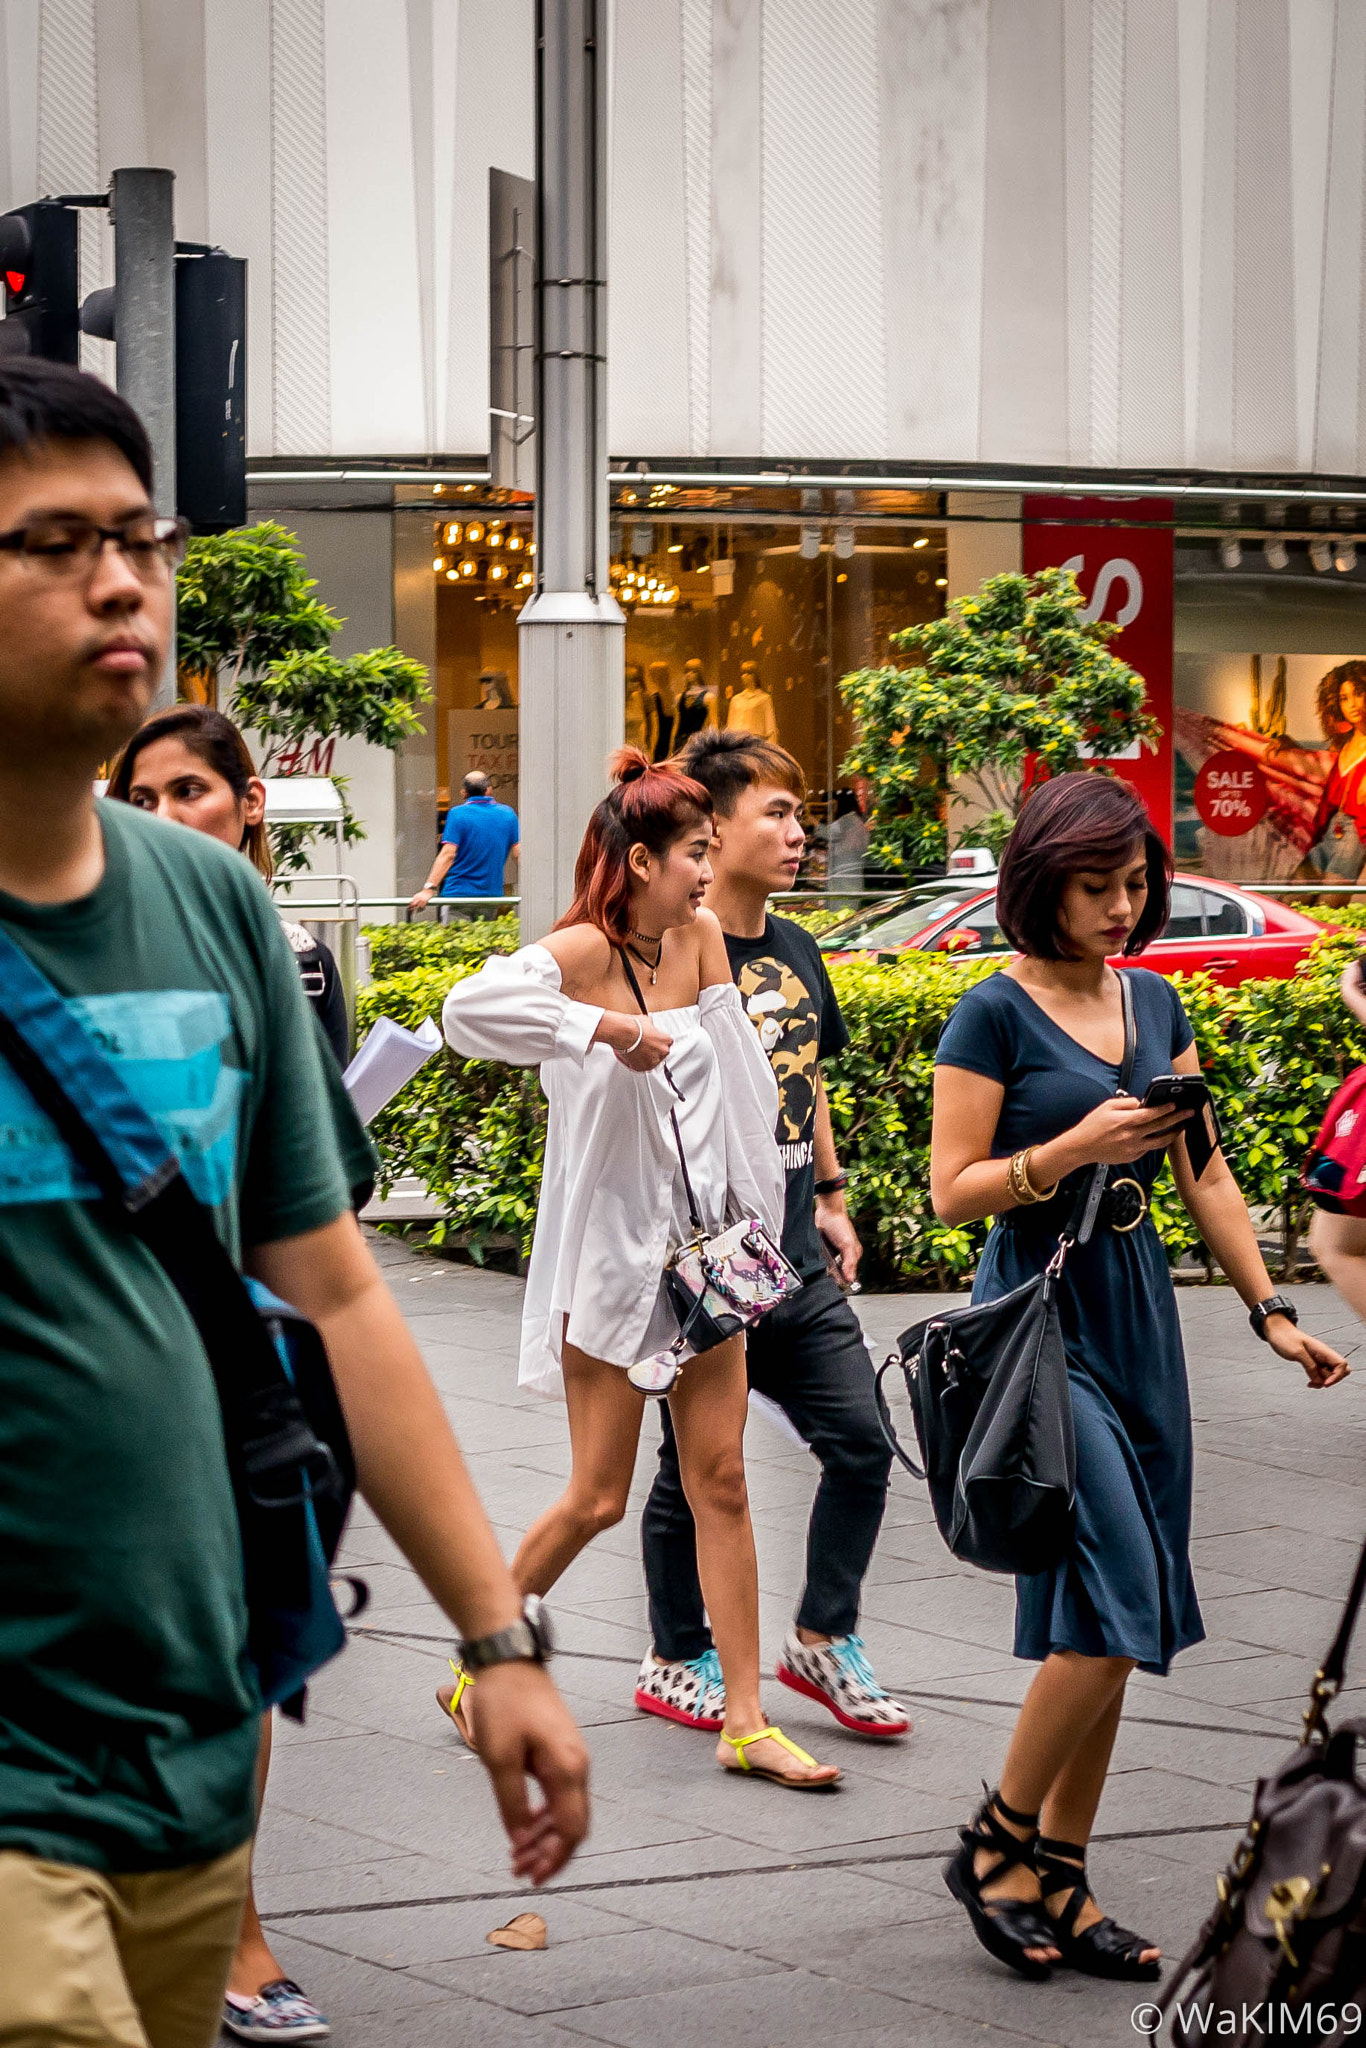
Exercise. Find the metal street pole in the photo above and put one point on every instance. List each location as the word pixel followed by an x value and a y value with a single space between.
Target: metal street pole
pixel 572 632
pixel 143 208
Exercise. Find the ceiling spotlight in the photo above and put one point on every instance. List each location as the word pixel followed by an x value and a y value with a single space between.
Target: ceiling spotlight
pixel 1321 554
pixel 1276 552
pixel 921 541
pixel 1318 515
pixel 451 575
pixel 468 565
pixel 809 546
pixel 437 489
pixel 453 534
pixel 515 542
pixel 474 532
pixel 642 540
pixel 1230 513
pixel 495 538
pixel 1345 557
pixel 1275 515
pixel 1344 515
pixel 941 582
pixel 844 539
pixel 498 571
pixel 1230 553
pixel 439 563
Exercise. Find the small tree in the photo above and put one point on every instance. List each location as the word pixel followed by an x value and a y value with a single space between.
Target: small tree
pixel 248 628
pixel 1009 679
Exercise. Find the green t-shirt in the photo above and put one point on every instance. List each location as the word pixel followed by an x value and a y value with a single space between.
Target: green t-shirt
pixel 128 1713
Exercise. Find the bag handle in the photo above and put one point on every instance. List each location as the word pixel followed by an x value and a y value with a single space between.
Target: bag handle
pixel 1083 1218
pixel 699 1228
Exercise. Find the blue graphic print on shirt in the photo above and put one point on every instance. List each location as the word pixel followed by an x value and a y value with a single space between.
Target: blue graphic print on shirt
pixel 167 1047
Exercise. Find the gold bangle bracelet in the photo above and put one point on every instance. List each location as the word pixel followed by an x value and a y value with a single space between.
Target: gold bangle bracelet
pixel 1036 1194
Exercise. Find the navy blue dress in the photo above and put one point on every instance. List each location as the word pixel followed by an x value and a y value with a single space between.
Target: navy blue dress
pixel 1126 1589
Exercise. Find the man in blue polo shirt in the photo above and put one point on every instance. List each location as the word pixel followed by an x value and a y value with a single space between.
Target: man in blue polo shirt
pixel 479 836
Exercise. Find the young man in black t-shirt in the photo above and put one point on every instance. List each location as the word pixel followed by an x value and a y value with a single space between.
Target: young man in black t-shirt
pixel 807 1355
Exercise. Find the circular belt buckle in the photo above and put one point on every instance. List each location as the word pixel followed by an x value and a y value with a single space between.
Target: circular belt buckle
pixel 1128 1204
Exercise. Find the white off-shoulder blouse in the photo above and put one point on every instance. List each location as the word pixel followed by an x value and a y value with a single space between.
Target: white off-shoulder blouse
pixel 612 1203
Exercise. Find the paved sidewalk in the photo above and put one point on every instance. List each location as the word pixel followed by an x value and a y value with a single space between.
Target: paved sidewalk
pixel 705 1912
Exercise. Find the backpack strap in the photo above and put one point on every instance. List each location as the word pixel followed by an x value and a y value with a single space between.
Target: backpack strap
pixel 273 1455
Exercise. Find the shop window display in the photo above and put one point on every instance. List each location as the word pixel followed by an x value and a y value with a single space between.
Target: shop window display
pixel 729 620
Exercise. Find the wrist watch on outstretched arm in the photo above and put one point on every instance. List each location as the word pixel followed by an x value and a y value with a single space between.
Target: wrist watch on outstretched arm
pixel 528 1641
pixel 1274 1305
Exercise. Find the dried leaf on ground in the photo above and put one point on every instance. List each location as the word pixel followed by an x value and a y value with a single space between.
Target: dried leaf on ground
pixel 524 1930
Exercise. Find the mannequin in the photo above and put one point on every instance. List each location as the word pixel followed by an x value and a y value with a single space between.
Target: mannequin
pixel 637 715
pixel 696 705
pixel 751 708
pixel 659 699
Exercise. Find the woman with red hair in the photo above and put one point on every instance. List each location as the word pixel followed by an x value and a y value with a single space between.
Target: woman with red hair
pixel 616 1072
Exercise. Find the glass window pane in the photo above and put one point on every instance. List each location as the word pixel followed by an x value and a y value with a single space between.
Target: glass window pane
pixel 1187 918
pixel 1225 915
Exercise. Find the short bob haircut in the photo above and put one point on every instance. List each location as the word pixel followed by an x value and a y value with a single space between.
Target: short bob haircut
pixel 728 763
pixel 649 805
pixel 216 741
pixel 1086 821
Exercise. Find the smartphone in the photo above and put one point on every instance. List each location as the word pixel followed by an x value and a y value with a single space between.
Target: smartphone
pixel 1188 1091
pixel 1181 1091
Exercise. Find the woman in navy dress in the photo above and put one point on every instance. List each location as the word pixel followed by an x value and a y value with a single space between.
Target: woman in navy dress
pixel 1025 1106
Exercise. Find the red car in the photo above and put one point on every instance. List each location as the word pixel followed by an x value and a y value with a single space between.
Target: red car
pixel 1215 928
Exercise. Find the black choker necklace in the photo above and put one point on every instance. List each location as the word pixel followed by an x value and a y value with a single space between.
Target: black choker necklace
pixel 652 965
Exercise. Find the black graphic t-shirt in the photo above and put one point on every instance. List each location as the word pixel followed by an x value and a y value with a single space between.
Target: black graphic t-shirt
pixel 787 997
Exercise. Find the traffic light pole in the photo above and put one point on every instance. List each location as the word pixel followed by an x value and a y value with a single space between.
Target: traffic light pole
pixel 143 208
pixel 572 633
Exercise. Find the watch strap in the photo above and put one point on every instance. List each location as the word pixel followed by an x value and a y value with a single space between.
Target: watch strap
pixel 1274 1305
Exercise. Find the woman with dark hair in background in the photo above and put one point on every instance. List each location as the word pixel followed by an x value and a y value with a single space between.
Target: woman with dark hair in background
pixel 192 764
pixel 1337 844
pixel 617 1070
pixel 1025 1106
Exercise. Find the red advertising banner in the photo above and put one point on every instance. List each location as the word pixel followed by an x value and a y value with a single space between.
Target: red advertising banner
pixel 1126 574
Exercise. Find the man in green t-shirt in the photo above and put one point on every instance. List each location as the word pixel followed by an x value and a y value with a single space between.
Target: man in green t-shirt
pixel 128 1709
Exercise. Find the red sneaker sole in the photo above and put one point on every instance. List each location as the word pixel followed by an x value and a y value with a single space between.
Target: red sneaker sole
pixel 709 1725
pixel 888 1732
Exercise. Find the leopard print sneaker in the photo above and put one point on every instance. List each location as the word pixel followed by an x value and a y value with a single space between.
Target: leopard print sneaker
pixel 839 1675
pixel 690 1691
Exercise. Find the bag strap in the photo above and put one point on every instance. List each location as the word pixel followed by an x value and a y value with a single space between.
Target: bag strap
pixel 1083 1218
pixel 1330 1674
pixel 699 1228
pixel 115 1140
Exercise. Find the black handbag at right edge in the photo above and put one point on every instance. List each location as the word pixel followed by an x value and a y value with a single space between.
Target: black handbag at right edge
pixel 992 1406
pixel 1283 1955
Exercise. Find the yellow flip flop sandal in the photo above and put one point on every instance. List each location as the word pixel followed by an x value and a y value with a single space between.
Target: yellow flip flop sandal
pixel 740 1743
pixel 463 1681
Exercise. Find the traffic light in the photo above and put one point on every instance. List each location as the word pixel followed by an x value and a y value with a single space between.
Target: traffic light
pixel 38 259
pixel 210 390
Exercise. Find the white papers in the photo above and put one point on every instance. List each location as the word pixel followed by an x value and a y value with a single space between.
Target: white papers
pixel 387 1061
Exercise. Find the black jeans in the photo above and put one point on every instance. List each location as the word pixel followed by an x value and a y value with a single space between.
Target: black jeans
pixel 809 1356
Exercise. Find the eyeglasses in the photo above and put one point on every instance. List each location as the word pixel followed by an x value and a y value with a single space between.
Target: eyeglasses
pixel 65 549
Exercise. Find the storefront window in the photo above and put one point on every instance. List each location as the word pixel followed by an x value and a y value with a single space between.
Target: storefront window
pixel 735 616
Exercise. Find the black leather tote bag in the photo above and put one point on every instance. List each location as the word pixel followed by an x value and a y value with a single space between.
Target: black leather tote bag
pixel 992 1407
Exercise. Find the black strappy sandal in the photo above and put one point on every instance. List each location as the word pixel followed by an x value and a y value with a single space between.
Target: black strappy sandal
pixel 1102 1950
pixel 1006 1928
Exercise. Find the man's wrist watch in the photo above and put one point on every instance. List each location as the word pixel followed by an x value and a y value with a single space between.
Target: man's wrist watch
pixel 1274 1305
pixel 528 1641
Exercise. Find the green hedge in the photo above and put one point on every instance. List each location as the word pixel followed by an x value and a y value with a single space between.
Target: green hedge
pixel 1274 1052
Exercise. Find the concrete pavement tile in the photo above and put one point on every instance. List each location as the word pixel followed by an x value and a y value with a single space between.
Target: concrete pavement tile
pixel 563 1981
pixel 454 2023
pixel 771 2011
pixel 344 1987
pixel 418 1936
pixel 1152 1798
pixel 939 1960
pixel 290 1842
pixel 1284 1557
pixel 1279 1620
pixel 352 1879
pixel 776 1915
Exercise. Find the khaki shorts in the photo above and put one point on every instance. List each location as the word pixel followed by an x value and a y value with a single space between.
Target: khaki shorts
pixel 88 1961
